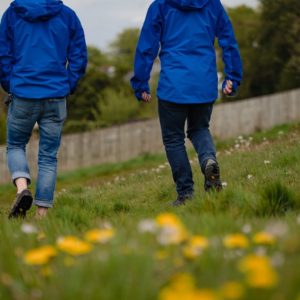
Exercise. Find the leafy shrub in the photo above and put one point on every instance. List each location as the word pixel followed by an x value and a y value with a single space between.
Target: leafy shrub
pixel 116 108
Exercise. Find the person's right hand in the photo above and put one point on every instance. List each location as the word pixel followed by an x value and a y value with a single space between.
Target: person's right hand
pixel 228 89
pixel 146 97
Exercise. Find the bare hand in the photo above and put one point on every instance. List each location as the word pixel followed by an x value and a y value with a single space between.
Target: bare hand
pixel 146 97
pixel 228 88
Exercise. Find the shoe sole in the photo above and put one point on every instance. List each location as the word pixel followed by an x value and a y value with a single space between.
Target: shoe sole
pixel 21 207
pixel 212 179
pixel 177 203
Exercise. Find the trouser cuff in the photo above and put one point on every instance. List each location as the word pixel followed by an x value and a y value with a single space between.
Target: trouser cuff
pixel 17 175
pixel 43 203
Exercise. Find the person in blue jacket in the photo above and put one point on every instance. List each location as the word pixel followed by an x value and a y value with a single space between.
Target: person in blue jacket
pixel 43 55
pixel 183 32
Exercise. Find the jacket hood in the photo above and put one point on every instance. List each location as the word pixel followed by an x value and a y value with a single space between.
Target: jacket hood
pixel 188 4
pixel 37 10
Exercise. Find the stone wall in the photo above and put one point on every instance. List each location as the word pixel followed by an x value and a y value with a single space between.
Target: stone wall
pixel 121 143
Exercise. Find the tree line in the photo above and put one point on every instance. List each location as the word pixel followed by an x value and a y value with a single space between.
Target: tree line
pixel 270 47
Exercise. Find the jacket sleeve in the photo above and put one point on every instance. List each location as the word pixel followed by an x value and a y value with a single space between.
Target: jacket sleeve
pixel 6 51
pixel 77 54
pixel 147 51
pixel 231 54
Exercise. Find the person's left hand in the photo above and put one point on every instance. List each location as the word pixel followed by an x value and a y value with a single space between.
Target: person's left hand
pixel 146 97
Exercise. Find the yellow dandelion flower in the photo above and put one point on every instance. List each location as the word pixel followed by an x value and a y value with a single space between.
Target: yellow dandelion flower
pixel 161 255
pixel 73 246
pixel 236 241
pixel 264 238
pixel 195 247
pixel 171 229
pixel 182 281
pixel 259 271
pixel 180 286
pixel 183 286
pixel 232 290
pixel 252 263
pixel 199 242
pixel 204 295
pixel 40 256
pixel 167 219
pixel 264 278
pixel 189 294
pixel 99 235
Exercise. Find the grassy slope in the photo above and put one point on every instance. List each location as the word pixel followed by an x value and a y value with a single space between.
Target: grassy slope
pixel 124 194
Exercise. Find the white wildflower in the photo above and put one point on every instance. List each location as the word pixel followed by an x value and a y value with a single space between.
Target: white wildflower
pixel 147 225
pixel 247 228
pixel 28 228
pixel 277 229
pixel 278 259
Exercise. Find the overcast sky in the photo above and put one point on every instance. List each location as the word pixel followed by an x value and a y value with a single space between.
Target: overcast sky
pixel 103 19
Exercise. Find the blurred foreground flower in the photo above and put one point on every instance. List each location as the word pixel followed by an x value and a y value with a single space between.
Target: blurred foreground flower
pixel 46 271
pixel 41 236
pixel 147 225
pixel 40 256
pixel 236 241
pixel 99 235
pixel 73 246
pixel 171 230
pixel 264 238
pixel 259 271
pixel 183 286
pixel 232 290
pixel 28 228
pixel 6 279
pixel 277 228
pixel 195 246
pixel 161 255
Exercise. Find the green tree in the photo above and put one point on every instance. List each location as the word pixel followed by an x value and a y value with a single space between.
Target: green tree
pixel 277 57
pixel 123 51
pixel 245 21
pixel 82 105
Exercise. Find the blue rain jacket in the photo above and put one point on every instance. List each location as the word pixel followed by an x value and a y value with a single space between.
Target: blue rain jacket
pixel 183 32
pixel 43 51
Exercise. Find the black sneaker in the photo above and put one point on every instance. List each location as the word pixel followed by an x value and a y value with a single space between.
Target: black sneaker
pixel 181 200
pixel 21 205
pixel 212 176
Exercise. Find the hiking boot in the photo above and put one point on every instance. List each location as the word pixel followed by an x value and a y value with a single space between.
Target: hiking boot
pixel 21 205
pixel 181 200
pixel 212 176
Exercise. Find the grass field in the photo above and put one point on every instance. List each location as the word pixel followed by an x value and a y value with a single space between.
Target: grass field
pixel 114 235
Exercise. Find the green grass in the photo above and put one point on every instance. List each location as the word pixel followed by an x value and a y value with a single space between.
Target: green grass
pixel 262 194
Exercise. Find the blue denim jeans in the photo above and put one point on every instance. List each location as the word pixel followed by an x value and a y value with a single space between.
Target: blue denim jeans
pixel 173 118
pixel 23 114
